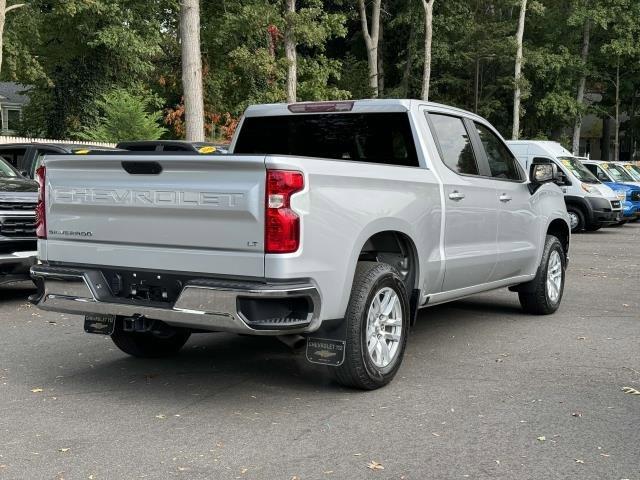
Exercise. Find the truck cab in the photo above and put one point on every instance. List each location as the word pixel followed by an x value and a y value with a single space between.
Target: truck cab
pixel 590 203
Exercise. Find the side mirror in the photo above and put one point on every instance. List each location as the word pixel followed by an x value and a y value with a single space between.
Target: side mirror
pixel 24 173
pixel 543 171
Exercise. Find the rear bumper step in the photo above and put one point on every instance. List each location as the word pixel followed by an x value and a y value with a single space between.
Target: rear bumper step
pixel 211 305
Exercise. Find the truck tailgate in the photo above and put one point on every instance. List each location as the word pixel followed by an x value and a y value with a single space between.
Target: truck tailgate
pixel 169 212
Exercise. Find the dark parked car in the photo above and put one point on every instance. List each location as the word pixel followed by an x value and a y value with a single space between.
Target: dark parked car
pixel 24 156
pixel 204 148
pixel 18 198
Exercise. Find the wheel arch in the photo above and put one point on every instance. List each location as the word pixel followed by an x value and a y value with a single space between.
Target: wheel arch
pixel 562 231
pixel 386 242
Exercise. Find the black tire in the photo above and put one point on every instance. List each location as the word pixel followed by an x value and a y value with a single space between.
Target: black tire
pixel 150 344
pixel 358 369
pixel 534 296
pixel 576 212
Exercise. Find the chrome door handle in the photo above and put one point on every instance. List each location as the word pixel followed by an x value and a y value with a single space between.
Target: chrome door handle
pixel 456 196
pixel 504 198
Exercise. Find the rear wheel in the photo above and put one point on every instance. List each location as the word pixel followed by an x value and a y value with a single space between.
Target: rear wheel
pixel 154 344
pixel 377 327
pixel 576 219
pixel 543 295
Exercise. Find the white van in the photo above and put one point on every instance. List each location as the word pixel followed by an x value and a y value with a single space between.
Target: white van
pixel 590 203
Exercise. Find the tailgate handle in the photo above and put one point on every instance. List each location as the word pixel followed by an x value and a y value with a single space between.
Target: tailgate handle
pixel 142 168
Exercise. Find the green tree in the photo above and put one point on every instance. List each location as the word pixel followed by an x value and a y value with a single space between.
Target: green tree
pixel 124 116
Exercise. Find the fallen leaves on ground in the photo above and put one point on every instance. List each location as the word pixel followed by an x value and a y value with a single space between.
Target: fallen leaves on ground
pixel 576 414
pixel 373 465
pixel 541 438
pixel 63 450
pixel 630 391
pixel 161 416
pixel 579 461
pixel 37 390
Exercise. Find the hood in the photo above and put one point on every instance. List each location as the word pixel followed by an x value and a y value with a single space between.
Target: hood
pixel 17 184
pixel 605 191
pixel 620 186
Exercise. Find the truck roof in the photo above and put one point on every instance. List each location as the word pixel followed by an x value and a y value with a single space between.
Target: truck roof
pixel 354 106
pixel 540 147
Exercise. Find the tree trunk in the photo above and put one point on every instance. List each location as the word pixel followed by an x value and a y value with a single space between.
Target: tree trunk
pixel 518 71
pixel 3 8
pixel 406 74
pixel 381 61
pixel 290 51
pixel 428 38
pixel 616 145
pixel 606 138
pixel 371 37
pixel 581 87
pixel 3 15
pixel 192 69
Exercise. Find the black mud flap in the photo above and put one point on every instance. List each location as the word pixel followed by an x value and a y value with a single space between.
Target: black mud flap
pixel 325 351
pixel 327 346
pixel 100 324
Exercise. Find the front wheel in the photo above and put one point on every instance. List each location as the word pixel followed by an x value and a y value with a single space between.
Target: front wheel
pixel 576 219
pixel 377 327
pixel 543 295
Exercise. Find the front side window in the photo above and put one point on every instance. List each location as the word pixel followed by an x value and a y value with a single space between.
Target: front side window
pixel 502 163
pixel 634 171
pixel 618 173
pixel 598 172
pixel 384 138
pixel 578 170
pixel 455 144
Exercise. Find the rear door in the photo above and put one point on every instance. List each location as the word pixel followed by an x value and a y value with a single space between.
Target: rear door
pixel 177 213
pixel 518 223
pixel 471 220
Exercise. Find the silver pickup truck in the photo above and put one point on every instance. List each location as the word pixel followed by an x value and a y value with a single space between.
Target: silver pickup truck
pixel 329 223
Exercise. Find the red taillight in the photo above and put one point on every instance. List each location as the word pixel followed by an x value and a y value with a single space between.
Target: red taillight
pixel 282 225
pixel 41 215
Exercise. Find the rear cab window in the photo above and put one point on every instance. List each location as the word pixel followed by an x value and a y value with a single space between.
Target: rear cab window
pixel 382 138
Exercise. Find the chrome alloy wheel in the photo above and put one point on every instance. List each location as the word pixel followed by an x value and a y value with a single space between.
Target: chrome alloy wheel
pixel 384 327
pixel 573 220
pixel 554 276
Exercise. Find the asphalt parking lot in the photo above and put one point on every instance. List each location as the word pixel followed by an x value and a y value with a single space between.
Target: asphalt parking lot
pixel 485 392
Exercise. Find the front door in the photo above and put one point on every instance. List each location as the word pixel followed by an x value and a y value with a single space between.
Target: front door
pixel 518 225
pixel 471 209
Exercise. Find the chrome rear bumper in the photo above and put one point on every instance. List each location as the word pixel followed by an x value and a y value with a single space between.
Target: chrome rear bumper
pixel 211 305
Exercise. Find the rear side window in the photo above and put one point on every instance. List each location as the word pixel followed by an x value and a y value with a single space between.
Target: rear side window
pixel 455 144
pixel 373 137
pixel 502 163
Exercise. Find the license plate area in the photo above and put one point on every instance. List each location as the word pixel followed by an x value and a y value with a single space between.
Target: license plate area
pixel 99 324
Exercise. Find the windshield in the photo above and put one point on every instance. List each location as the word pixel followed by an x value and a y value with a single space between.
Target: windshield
pixel 616 172
pixel 578 169
pixel 5 169
pixel 634 171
